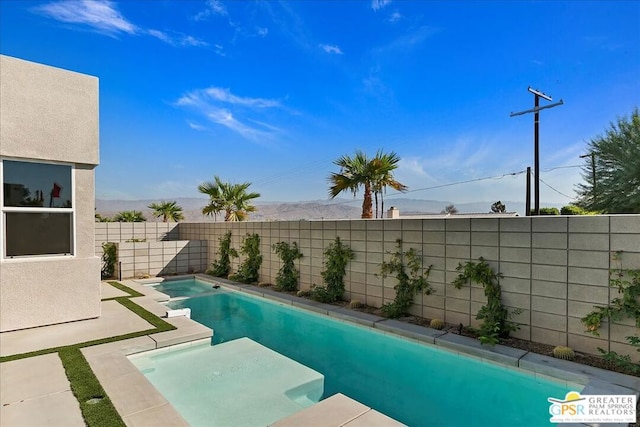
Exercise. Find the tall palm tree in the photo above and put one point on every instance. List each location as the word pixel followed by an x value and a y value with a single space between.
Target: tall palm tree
pixel 383 165
pixel 233 199
pixel 355 172
pixel 169 211
pixel 373 175
pixel 129 216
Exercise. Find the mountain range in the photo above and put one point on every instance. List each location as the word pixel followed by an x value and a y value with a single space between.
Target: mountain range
pixel 312 209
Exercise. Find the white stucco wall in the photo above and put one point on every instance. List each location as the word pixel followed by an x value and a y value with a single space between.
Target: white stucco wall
pixel 49 114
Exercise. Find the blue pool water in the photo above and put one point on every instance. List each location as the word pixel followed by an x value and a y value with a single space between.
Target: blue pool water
pixel 416 384
pixel 182 287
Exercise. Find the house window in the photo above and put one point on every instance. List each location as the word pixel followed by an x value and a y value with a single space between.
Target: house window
pixel 37 209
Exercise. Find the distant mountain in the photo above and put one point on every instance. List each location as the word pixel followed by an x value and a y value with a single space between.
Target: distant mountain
pixel 314 209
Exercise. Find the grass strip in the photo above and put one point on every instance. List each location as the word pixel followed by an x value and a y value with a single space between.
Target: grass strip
pixel 100 411
pixel 96 407
pixel 123 288
pixel 159 326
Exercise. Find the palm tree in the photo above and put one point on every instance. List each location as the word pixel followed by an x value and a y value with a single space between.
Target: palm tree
pixel 169 211
pixel 129 216
pixel 382 166
pixel 374 175
pixel 354 173
pixel 233 199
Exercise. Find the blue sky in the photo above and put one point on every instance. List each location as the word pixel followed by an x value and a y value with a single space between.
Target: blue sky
pixel 272 92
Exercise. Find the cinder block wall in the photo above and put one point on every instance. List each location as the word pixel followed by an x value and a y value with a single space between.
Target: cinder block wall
pixel 151 249
pixel 555 269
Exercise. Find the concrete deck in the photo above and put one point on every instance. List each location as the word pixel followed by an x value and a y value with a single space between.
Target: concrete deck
pixel 35 391
pixel 337 411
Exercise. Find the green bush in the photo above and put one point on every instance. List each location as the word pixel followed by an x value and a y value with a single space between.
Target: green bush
pixel 222 266
pixel 249 270
pixel 624 306
pixel 575 210
pixel 409 284
pixel 494 315
pixel 336 257
pixel 549 211
pixel 109 256
pixel 287 277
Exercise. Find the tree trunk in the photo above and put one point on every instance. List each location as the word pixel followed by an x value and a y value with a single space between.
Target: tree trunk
pixel 367 209
pixel 376 196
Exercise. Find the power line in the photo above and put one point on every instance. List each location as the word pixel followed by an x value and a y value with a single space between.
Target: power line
pixel 460 182
pixel 450 184
pixel 557 191
pixel 562 167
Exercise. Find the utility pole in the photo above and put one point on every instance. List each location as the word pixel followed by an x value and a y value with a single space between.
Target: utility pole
pixel 536 134
pixel 527 203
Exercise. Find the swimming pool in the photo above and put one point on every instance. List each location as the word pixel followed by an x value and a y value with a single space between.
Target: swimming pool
pixel 414 383
pixel 182 287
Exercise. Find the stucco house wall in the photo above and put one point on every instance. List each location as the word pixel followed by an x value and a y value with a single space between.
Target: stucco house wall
pixel 51 115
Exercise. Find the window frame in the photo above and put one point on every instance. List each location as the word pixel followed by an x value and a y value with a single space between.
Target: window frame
pixel 30 209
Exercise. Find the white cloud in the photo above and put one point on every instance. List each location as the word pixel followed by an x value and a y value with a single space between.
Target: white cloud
pixel 242 115
pixel 104 17
pixel 213 7
pixel 262 31
pixel 225 95
pixel 195 126
pixel 395 17
pixel 101 15
pixel 379 4
pixel 176 39
pixel 332 49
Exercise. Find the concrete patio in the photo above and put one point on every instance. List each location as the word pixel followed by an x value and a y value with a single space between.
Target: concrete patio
pixel 35 391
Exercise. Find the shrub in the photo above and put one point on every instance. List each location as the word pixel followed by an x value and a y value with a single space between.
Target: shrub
pixel 575 210
pixel 109 255
pixel 627 305
pixel 222 266
pixel 287 277
pixel 249 270
pixel 336 257
pixel 494 315
pixel 409 284
pixel 549 211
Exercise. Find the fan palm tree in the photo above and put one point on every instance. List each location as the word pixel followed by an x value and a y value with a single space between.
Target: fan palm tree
pixel 233 199
pixel 169 211
pixel 383 165
pixel 373 175
pixel 129 216
pixel 354 173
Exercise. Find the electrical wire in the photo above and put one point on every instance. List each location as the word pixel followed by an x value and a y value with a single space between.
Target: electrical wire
pixel 450 184
pixel 558 191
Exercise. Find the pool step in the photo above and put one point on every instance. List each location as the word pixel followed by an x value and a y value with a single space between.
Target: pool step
pixel 338 410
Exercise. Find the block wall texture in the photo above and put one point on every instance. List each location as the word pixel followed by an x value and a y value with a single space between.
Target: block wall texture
pixel 151 249
pixel 555 269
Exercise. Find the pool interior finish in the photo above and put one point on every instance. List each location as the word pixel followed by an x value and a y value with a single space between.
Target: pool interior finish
pixel 415 383
pixel 240 382
pixel 182 287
